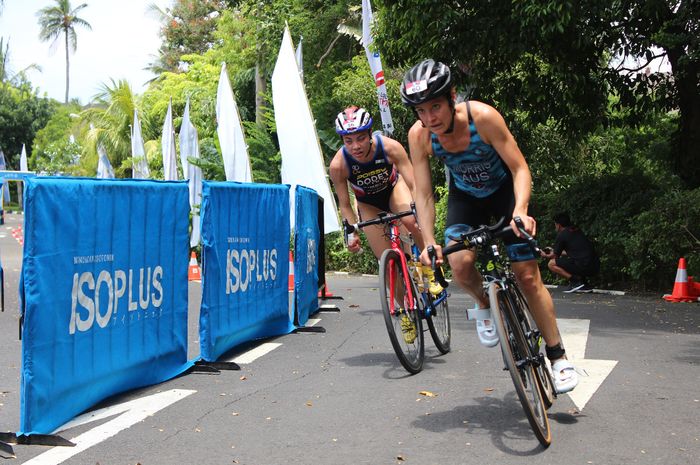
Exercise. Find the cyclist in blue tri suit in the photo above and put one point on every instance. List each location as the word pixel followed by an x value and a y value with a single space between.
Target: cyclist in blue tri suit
pixel 488 178
pixel 377 170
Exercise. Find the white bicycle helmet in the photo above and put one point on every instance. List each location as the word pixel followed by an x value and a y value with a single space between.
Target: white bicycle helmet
pixel 352 120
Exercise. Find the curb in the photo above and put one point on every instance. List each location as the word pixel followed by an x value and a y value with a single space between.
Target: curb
pixel 548 286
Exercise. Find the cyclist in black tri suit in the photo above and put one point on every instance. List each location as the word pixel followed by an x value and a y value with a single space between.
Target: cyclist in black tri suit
pixel 377 170
pixel 488 178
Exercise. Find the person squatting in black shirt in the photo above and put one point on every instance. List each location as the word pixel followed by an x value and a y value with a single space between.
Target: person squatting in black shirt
pixel 573 256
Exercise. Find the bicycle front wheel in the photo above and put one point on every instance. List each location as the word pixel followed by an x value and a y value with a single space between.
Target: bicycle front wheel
pixel 438 317
pixel 401 312
pixel 519 360
pixel 544 375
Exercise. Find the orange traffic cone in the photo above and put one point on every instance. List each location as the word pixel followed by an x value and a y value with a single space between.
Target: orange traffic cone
pixel 193 273
pixel 291 271
pixel 682 290
pixel 325 293
pixel 693 286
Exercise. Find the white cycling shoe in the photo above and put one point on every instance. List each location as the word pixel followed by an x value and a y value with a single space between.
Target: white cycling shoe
pixel 484 326
pixel 565 376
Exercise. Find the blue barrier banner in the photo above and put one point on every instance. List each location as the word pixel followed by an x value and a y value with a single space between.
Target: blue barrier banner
pixel 306 254
pixel 245 248
pixel 104 278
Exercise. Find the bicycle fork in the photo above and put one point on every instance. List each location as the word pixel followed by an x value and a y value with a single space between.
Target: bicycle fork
pixel 408 298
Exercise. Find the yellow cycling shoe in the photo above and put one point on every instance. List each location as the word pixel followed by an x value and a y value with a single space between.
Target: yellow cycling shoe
pixel 433 286
pixel 408 329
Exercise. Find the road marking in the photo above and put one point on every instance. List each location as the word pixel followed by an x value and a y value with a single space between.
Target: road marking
pixel 257 352
pixel 574 333
pixel 263 349
pixel 132 412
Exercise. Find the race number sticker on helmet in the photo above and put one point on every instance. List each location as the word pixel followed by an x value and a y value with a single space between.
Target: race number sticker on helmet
pixel 416 86
pixel 352 120
pixel 425 81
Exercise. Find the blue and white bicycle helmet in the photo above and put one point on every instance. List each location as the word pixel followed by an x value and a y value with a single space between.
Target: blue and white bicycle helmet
pixel 351 120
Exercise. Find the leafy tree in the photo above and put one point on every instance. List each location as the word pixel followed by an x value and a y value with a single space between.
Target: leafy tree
pixel 188 28
pixel 22 114
pixel 62 19
pixel 55 149
pixel 111 117
pixel 560 59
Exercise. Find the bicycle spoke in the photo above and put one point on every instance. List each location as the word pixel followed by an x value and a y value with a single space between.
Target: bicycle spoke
pixel 438 317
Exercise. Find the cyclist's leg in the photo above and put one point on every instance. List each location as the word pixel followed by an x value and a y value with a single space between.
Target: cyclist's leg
pixel 463 213
pixel 541 305
pixel 464 272
pixel 539 299
pixel 378 242
pixel 399 201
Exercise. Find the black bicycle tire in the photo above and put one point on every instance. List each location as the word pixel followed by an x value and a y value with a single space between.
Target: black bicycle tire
pixel 543 373
pixel 511 337
pixel 411 360
pixel 439 322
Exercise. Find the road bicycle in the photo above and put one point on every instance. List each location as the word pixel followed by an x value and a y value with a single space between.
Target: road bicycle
pixel 522 346
pixel 405 296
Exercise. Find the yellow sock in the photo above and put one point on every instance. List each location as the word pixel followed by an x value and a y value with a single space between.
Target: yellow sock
pixel 433 286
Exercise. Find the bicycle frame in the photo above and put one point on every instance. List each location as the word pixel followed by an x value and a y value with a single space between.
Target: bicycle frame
pixel 520 340
pixel 392 232
pixel 395 240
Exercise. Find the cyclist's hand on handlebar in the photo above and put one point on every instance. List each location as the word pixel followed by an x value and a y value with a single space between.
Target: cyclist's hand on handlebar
pixel 426 259
pixel 529 223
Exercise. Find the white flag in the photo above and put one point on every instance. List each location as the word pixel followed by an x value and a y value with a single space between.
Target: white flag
pixel 300 58
pixel 228 126
pixel 302 159
pixel 189 148
pixel 139 164
pixel 104 167
pixel 23 160
pixel 5 187
pixel 375 64
pixel 168 145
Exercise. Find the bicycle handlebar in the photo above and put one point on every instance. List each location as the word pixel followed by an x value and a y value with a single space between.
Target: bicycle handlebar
pixel 477 237
pixel 382 218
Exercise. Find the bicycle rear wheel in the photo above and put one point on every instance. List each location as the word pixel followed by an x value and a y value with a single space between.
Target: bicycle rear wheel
pixel 438 317
pixel 543 373
pixel 519 361
pixel 401 313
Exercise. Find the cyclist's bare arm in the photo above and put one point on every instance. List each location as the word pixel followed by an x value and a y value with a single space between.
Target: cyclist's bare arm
pixel 493 130
pixel 338 172
pixel 419 147
pixel 398 156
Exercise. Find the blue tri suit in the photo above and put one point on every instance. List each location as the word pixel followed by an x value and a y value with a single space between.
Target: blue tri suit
pixel 480 190
pixel 372 182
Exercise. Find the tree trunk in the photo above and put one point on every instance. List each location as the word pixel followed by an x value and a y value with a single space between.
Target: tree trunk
pixel 687 159
pixel 67 67
pixel 689 134
pixel 260 89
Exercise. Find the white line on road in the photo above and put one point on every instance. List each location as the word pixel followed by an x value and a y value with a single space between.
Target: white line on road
pixel 263 349
pixel 132 412
pixel 254 354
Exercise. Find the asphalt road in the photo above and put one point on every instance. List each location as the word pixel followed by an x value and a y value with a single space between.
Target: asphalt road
pixel 341 397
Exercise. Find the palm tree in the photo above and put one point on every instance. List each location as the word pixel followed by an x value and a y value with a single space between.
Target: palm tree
pixel 62 19
pixel 111 117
